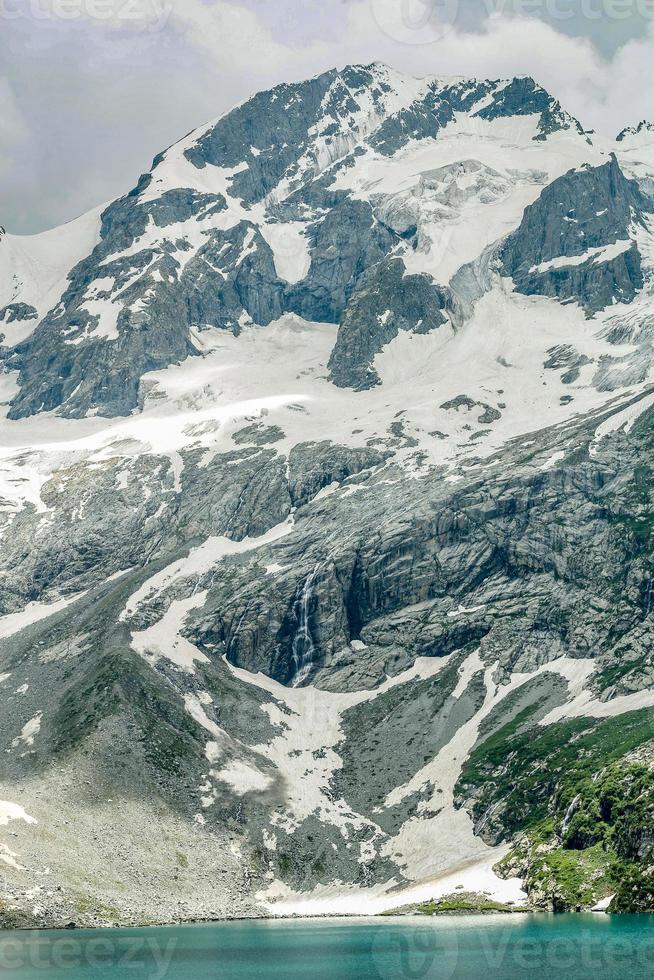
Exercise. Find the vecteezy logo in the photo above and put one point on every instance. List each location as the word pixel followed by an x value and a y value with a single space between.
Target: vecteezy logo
pixel 411 952
pixel 415 21
pixel 152 15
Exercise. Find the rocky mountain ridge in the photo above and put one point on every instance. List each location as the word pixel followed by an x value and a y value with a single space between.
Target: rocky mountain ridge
pixel 643 128
pixel 204 238
pixel 325 503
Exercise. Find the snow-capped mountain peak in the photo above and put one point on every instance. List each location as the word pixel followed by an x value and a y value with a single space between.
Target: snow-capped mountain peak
pixel 644 129
pixel 325 506
pixel 266 195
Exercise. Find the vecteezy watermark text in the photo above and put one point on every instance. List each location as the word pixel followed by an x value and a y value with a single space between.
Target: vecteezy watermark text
pixel 148 956
pixel 426 21
pixel 436 951
pixel 151 14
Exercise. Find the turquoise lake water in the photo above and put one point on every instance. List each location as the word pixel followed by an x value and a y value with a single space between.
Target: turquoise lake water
pixel 567 947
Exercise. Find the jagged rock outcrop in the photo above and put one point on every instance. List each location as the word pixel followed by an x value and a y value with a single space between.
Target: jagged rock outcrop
pixel 386 301
pixel 17 311
pixel 644 127
pixel 576 242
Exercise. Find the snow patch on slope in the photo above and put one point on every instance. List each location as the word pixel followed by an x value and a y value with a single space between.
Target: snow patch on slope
pixel 604 253
pixel 199 561
pixel 34 268
pixel 12 811
pixel 33 613
pixel 30 730
pixel 305 751
pixel 163 639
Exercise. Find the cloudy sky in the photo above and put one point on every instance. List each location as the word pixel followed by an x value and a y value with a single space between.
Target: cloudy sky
pixel 90 90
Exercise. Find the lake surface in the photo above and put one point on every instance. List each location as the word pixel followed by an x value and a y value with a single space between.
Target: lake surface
pixel 465 948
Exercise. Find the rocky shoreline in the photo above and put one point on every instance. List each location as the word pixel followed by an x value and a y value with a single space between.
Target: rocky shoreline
pixel 39 926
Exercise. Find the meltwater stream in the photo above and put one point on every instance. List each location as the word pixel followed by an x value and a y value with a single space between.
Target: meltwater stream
pixel 303 646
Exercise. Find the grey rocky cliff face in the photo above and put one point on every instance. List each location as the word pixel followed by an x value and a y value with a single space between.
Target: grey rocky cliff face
pixel 583 212
pixel 343 245
pixel 545 564
pixel 314 624
pixel 498 545
pixel 495 537
pixel 644 127
pixel 150 277
pixel 17 311
pixel 524 97
pixel 275 125
pixel 386 301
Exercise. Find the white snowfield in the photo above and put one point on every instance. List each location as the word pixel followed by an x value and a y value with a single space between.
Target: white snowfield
pixel 34 268
pixel 12 811
pixel 464 191
pixel 636 153
pixel 33 613
pixel 278 375
pixel 461 209
pixel 306 754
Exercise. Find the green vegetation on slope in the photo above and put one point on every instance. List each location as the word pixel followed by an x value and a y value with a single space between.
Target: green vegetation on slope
pixel 579 803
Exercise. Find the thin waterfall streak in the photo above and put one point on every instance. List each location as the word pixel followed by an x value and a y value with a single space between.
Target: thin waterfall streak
pixel 303 646
pixel 569 815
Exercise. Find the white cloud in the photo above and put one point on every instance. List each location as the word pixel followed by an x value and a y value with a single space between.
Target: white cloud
pixel 239 45
pixel 599 92
pixel 13 128
pixel 12 125
pixel 627 97
pixel 87 102
pixel 117 14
